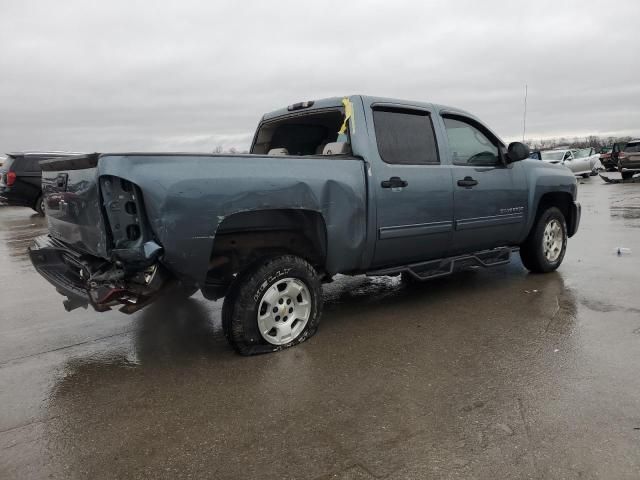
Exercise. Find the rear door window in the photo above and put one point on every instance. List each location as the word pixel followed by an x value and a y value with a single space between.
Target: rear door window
pixel 632 147
pixel 405 136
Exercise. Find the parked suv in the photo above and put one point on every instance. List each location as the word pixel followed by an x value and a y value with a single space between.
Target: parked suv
pixel 629 159
pixel 21 178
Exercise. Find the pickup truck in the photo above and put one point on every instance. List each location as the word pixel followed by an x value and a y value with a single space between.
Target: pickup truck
pixel 353 185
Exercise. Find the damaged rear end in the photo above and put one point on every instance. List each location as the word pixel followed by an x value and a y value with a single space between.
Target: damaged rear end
pixel 100 250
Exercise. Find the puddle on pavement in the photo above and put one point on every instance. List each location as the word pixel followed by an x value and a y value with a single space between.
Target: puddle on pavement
pixel 18 227
pixel 624 203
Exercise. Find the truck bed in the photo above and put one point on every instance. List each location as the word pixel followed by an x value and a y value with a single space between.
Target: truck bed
pixel 180 200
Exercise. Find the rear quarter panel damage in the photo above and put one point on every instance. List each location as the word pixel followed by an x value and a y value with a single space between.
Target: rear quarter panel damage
pixel 187 197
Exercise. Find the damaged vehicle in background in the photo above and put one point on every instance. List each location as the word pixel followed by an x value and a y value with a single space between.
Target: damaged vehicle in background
pixel 581 162
pixel 591 157
pixel 355 185
pixel 609 156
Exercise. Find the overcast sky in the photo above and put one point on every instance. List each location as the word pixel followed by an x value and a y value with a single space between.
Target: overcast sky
pixel 187 75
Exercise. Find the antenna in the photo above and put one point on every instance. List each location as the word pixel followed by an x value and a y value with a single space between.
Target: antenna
pixel 524 120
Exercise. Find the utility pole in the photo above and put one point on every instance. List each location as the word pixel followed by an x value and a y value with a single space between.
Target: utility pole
pixel 524 120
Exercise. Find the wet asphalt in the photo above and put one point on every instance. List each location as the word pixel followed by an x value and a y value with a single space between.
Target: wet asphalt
pixel 486 374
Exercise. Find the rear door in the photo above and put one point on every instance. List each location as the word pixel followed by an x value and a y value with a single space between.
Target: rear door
pixel 490 198
pixel 413 197
pixel 570 162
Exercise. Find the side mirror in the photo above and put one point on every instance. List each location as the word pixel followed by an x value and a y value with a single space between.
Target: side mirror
pixel 517 151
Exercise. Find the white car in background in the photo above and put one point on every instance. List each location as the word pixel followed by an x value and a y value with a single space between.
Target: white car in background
pixel 582 161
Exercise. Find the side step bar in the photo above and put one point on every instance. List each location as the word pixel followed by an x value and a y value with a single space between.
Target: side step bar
pixel 447 266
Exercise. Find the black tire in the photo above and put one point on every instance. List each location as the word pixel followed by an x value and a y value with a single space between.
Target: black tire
pixel 625 175
pixel 532 250
pixel 39 205
pixel 241 304
pixel 586 175
pixel 228 305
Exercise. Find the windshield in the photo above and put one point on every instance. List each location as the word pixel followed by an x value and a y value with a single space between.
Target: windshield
pixel 555 155
pixel 583 152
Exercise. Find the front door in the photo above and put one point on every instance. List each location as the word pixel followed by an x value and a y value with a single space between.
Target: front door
pixel 490 198
pixel 414 201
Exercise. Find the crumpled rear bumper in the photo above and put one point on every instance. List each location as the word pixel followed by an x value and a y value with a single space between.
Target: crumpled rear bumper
pixel 63 268
pixel 86 280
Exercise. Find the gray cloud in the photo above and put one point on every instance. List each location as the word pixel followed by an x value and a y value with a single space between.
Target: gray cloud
pixel 189 75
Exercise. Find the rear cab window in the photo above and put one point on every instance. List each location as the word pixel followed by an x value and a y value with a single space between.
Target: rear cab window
pixel 301 134
pixel 405 136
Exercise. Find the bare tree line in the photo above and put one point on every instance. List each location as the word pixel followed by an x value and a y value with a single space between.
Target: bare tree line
pixel 231 150
pixel 594 141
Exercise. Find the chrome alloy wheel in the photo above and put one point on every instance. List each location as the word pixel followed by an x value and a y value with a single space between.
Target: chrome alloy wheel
pixel 552 240
pixel 284 311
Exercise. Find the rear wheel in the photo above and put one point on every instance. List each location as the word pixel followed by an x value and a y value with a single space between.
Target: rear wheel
pixel 625 175
pixel 39 206
pixel 275 305
pixel 544 248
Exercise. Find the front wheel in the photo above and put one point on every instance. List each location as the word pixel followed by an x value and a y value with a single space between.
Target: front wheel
pixel 627 175
pixel 544 248
pixel 275 305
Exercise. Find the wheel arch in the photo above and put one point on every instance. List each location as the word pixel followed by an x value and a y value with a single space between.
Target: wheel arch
pixel 564 202
pixel 244 238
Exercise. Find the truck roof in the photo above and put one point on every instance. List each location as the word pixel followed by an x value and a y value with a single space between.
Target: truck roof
pixel 337 102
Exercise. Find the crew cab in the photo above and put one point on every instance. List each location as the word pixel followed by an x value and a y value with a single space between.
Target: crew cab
pixel 353 185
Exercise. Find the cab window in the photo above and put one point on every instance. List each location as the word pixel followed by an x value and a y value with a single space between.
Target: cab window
pixel 468 145
pixel 405 136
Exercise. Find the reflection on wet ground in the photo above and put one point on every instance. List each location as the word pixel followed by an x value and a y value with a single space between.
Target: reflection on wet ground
pixel 486 374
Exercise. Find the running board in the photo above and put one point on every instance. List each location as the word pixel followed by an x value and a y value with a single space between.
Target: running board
pixel 447 266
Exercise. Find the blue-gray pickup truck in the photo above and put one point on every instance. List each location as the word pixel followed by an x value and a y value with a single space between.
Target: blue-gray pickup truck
pixel 353 185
